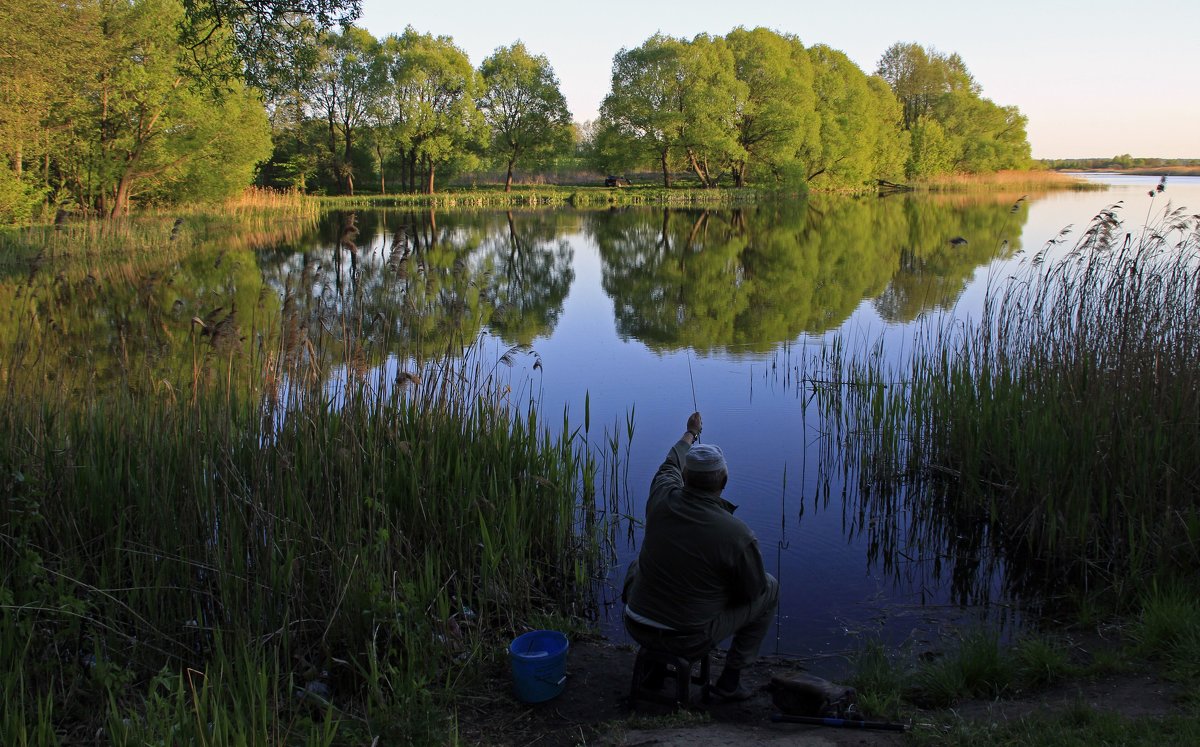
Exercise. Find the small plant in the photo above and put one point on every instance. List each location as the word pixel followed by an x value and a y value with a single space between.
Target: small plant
pixel 977 667
pixel 879 679
pixel 1040 662
pixel 1170 614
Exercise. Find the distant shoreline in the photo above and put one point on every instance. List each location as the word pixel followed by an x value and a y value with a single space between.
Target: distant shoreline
pixel 1138 171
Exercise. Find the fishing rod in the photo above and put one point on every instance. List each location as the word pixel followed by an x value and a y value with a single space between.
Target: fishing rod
pixel 695 407
pixel 843 723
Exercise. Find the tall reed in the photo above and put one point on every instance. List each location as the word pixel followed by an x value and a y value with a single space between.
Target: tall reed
pixel 1054 438
pixel 240 531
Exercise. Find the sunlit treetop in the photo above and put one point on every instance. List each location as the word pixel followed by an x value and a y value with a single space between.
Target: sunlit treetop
pixel 257 38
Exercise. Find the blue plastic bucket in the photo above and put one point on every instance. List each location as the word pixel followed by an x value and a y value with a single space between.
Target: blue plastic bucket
pixel 539 664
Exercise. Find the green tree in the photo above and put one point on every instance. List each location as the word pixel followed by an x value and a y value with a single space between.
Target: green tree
pixel 49 50
pixel 839 157
pixel 709 99
pixel 889 143
pixel 348 80
pixel 675 102
pixel 524 108
pixel 639 118
pixel 778 114
pixel 972 133
pixel 432 102
pixel 258 40
pixel 149 130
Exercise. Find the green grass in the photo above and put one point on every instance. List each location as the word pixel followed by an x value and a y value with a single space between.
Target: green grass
pixel 1080 726
pixel 550 196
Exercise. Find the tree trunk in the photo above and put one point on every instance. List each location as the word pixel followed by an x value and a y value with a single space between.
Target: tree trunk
pixel 701 170
pixel 429 188
pixel 508 178
pixel 739 175
pixel 666 172
pixel 120 203
pixel 347 160
pixel 382 176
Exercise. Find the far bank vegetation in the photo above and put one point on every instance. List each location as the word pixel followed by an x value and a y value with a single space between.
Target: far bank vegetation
pixel 110 108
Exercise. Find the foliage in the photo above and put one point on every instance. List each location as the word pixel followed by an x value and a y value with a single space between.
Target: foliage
pixel 953 127
pixel 840 157
pixel 778 115
pixel 432 106
pixel 524 108
pixel 344 91
pixel 257 39
pixel 641 117
pixel 122 120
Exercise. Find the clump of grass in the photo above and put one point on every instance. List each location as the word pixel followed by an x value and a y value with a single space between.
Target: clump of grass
pixel 1169 614
pixel 879 678
pixel 1040 661
pixel 976 667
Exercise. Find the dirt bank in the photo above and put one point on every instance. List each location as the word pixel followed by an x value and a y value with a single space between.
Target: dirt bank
pixel 593 709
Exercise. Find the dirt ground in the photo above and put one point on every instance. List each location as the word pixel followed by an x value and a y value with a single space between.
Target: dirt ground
pixel 594 710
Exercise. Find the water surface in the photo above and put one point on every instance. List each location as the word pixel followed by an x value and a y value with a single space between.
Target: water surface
pixel 649 313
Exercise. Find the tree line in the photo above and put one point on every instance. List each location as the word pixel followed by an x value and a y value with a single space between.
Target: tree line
pixel 108 103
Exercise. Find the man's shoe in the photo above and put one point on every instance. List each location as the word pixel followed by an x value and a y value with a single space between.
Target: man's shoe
pixel 741 692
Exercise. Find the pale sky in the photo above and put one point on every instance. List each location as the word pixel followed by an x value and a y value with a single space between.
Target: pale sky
pixel 1096 78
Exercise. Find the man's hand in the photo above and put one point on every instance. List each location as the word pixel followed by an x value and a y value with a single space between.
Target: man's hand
pixel 695 425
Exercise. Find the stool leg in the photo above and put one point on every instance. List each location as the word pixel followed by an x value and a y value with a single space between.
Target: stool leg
pixel 683 676
pixel 639 673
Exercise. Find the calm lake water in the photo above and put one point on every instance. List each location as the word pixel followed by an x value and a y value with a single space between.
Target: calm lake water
pixel 648 313
pixel 632 309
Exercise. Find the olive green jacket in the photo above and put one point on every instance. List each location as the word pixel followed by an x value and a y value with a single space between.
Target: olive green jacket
pixel 697 559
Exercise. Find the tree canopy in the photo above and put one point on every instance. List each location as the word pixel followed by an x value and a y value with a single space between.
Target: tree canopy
pixel 952 127
pixel 523 107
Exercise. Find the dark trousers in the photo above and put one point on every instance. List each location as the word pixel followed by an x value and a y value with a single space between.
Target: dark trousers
pixel 747 623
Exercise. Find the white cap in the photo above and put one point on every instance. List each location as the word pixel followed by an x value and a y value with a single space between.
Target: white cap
pixel 705 458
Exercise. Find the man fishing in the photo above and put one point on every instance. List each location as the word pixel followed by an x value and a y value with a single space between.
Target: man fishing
pixel 699 577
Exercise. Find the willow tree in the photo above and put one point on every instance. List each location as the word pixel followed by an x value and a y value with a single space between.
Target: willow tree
pixel 637 116
pixel 674 102
pixel 778 114
pixel 952 127
pixel 839 157
pixel 524 108
pixel 431 99
pixel 710 99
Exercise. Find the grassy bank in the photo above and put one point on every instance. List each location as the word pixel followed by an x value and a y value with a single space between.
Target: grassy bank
pixel 1027 684
pixel 1166 170
pixel 551 196
pixel 227 536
